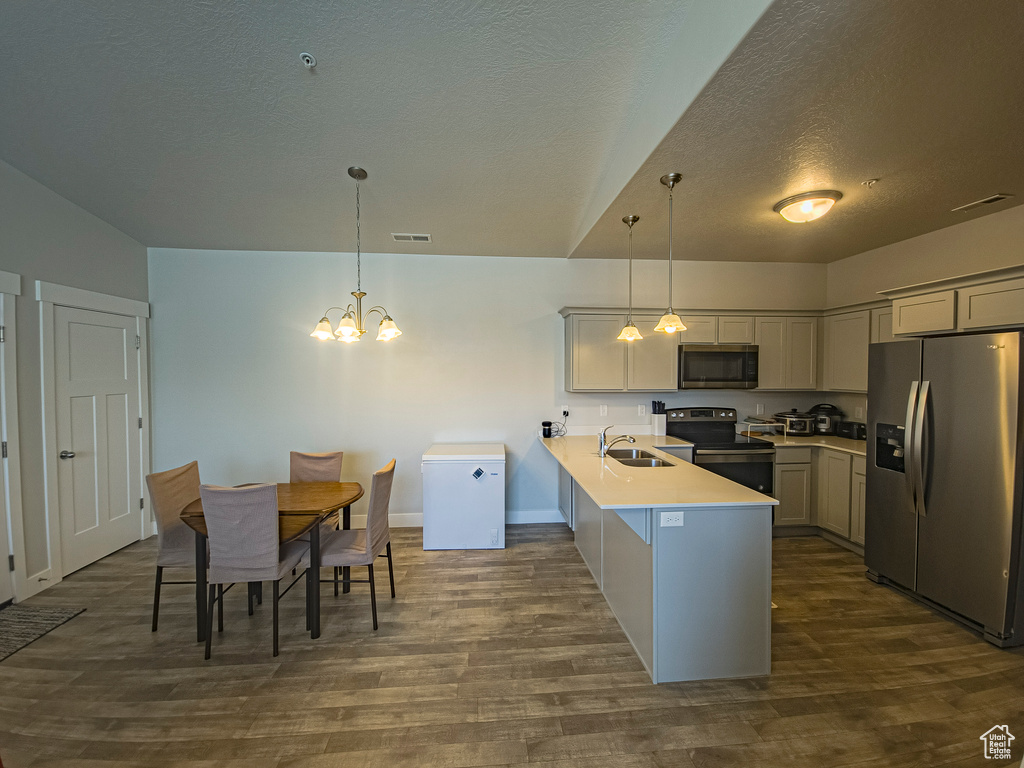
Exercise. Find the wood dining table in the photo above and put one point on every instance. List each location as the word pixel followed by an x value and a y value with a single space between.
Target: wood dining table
pixel 301 508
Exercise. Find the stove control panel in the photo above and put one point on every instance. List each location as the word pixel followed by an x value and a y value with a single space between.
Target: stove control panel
pixel 702 414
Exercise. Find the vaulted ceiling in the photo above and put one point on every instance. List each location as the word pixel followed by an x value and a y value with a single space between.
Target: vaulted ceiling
pixel 519 129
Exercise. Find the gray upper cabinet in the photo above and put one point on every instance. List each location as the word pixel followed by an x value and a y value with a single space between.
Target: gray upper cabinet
pixel 926 313
pixel 700 329
pixel 595 361
pixel 881 325
pixel 717 329
pixel 652 364
pixel 787 352
pixel 847 336
pixel 991 305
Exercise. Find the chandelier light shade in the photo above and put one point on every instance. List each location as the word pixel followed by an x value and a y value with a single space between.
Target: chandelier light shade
pixel 670 322
pixel 629 330
pixel 807 206
pixel 352 325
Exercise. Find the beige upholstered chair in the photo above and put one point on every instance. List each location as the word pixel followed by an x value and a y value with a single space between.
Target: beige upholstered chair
pixel 242 524
pixel 315 467
pixel 170 492
pixel 362 546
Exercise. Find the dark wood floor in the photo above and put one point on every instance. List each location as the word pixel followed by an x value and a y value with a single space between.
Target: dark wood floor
pixel 493 658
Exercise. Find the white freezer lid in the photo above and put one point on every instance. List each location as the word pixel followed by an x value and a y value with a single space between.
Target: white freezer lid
pixel 465 452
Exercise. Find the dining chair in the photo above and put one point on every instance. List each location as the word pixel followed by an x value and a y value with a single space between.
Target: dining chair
pixel 315 467
pixel 170 492
pixel 363 545
pixel 242 526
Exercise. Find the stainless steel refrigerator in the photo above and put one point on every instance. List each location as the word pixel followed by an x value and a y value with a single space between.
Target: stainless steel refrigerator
pixel 944 478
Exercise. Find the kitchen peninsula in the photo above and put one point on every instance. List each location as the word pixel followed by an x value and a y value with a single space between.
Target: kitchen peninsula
pixel 682 556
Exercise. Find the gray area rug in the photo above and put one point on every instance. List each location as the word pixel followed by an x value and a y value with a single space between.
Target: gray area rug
pixel 20 625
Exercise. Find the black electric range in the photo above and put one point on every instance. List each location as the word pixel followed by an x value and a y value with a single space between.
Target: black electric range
pixel 749 461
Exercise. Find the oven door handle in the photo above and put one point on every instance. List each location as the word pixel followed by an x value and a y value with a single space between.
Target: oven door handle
pixel 733 457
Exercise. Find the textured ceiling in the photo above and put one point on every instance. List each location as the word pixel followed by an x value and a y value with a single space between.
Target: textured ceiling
pixel 193 123
pixel 925 95
pixel 507 128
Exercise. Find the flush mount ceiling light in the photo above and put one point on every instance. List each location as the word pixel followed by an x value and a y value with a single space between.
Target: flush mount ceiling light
pixel 352 324
pixel 629 330
pixel 807 206
pixel 670 322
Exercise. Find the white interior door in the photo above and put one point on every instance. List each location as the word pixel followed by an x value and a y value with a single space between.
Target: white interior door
pixel 6 580
pixel 96 380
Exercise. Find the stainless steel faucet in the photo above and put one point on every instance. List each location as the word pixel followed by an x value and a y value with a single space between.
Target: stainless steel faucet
pixel 602 441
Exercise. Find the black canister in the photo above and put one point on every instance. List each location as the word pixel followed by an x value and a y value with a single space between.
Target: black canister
pixel 546 428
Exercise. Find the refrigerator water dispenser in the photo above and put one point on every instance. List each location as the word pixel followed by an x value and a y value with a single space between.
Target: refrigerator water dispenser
pixel 889 447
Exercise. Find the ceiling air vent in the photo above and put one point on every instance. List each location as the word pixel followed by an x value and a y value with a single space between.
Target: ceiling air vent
pixel 405 237
pixel 979 203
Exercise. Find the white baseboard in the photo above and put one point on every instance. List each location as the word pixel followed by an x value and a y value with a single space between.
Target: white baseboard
pixel 512 517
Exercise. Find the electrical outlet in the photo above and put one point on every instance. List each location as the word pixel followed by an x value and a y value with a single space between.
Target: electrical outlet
pixel 565 411
pixel 604 410
pixel 760 409
pixel 641 410
pixel 494 536
pixel 858 413
pixel 671 519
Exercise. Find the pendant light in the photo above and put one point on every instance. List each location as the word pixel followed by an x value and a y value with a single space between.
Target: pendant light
pixel 629 330
pixel 670 321
pixel 352 326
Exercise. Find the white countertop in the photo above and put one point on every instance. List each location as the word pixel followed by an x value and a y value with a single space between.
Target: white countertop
pixel 845 444
pixel 613 485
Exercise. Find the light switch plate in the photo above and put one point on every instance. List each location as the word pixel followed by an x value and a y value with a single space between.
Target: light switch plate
pixel 604 410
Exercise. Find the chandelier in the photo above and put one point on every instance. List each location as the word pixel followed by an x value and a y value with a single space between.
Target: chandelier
pixel 352 325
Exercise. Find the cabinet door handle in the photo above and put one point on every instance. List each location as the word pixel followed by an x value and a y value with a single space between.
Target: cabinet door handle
pixel 67 454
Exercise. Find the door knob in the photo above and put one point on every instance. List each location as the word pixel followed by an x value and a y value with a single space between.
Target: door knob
pixel 67 454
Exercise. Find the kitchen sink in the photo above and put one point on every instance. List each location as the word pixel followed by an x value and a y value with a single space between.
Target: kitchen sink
pixel 648 462
pixel 629 453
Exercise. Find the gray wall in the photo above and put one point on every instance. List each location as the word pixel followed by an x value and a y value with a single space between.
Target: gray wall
pixel 45 237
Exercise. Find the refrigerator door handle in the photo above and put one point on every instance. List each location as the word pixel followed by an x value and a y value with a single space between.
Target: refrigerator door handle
pixel 918 447
pixel 908 443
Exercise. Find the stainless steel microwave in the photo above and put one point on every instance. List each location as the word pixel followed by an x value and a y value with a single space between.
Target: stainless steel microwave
pixel 717 366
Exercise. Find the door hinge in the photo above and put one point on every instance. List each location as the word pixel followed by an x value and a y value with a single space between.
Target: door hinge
pixel 138 342
pixel 2 334
pixel 142 503
pixel 10 562
pixel 140 422
pixel 5 449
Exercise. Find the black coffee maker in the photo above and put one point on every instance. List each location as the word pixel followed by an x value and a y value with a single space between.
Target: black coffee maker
pixel 826 418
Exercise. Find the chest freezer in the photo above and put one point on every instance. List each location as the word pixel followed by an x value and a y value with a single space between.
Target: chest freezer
pixel 464 496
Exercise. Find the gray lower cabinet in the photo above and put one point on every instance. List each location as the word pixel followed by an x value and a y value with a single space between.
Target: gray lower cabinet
pixel 858 486
pixel 589 527
pixel 565 497
pixel 793 486
pixel 834 491
pixel 693 596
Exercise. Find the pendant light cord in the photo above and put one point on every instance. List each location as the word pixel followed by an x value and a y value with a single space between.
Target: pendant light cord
pixel 359 266
pixel 630 316
pixel 670 310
